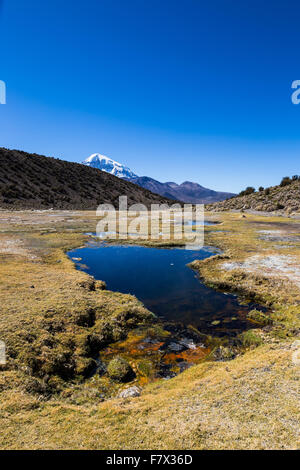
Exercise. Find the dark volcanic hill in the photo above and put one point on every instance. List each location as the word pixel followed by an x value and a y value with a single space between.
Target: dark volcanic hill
pixel 186 192
pixel 31 181
pixel 284 198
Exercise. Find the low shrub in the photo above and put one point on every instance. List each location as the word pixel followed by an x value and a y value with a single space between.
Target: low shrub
pixel 259 317
pixel 120 370
pixel 250 339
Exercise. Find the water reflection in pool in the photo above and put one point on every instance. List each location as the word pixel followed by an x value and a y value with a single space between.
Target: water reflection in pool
pixel 160 278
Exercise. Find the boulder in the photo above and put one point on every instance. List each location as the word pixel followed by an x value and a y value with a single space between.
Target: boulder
pixel 130 392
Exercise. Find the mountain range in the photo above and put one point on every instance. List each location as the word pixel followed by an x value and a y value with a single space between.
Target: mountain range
pixel 31 181
pixel 188 191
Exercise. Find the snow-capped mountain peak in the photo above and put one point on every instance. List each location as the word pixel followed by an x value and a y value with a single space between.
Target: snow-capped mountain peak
pixel 96 160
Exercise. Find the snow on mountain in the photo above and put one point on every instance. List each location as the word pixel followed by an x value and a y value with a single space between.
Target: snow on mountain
pixel 187 192
pixel 96 160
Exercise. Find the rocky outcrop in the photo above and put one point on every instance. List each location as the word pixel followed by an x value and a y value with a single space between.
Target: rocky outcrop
pixel 284 199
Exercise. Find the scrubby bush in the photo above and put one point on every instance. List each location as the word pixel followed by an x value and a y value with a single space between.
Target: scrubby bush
pixel 259 317
pixel 145 368
pixel 119 370
pixel 250 339
pixel 285 181
pixel 247 191
pixel 85 366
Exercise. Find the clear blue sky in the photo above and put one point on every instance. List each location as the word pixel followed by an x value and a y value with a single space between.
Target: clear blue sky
pixel 177 90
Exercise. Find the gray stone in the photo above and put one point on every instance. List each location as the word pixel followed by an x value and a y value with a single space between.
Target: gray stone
pixel 188 343
pixel 130 392
pixel 175 346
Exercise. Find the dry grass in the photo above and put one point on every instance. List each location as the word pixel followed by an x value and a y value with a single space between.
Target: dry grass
pixel 251 402
pixel 53 318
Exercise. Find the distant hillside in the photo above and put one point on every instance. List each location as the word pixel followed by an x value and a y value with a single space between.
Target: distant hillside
pixel 30 181
pixel 187 192
pixel 284 197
